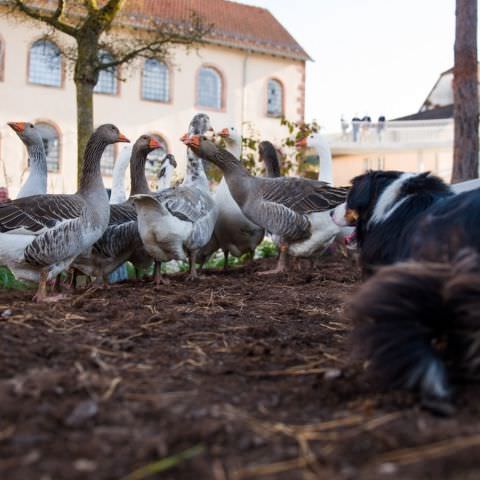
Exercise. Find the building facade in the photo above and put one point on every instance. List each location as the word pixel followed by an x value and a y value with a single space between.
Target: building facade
pixel 248 74
pixel 422 141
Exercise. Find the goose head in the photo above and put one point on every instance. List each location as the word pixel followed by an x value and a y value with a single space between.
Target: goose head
pixel 27 133
pixel 231 136
pixel 200 124
pixel 109 133
pixel 146 144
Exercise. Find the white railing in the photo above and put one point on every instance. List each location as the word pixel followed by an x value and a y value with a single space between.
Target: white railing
pixel 393 135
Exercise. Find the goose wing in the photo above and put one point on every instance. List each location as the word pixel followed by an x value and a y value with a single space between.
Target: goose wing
pixel 122 230
pixel 122 212
pixel 187 204
pixel 36 214
pixel 303 195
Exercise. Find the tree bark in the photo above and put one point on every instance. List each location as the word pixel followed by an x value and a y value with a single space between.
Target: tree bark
pixel 465 93
pixel 84 121
pixel 85 78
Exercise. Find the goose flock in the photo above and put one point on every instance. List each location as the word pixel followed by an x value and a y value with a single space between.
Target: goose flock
pixel 43 235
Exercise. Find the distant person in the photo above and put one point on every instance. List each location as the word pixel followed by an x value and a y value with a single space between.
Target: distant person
pixel 366 123
pixel 4 195
pixel 355 128
pixel 381 126
pixel 345 126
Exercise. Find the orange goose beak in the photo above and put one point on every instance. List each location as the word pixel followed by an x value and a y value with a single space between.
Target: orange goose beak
pixel 153 144
pixel 301 143
pixel 122 138
pixel 192 142
pixel 19 127
pixel 224 133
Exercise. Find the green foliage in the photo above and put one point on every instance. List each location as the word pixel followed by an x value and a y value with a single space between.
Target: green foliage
pixel 8 281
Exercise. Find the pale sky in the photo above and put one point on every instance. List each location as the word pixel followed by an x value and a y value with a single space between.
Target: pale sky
pixel 370 56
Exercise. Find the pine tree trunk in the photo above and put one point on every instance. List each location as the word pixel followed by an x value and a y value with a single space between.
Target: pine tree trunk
pixel 465 91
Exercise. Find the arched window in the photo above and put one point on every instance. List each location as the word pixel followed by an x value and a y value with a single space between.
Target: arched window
pixel 45 64
pixel 155 82
pixel 107 79
pixel 2 58
pixel 209 88
pixel 108 160
pixel 154 158
pixel 51 142
pixel 274 98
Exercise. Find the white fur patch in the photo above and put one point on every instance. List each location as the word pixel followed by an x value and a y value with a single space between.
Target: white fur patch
pixel 387 202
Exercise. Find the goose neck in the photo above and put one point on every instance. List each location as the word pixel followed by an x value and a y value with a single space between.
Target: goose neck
pixel 325 164
pixel 138 178
pixel 38 160
pixel 91 178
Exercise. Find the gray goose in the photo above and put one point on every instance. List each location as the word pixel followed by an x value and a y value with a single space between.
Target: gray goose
pixel 36 183
pixel 121 240
pixel 41 235
pixel 295 209
pixel 234 233
pixel 177 222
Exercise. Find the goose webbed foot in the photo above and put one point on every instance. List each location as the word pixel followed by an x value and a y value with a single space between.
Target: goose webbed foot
pixel 225 260
pixel 50 298
pixel 41 296
pixel 282 264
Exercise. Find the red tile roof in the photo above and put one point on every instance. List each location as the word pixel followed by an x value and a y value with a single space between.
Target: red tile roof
pixel 234 24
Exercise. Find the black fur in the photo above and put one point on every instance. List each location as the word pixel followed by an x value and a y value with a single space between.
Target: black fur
pixel 389 241
pixel 418 324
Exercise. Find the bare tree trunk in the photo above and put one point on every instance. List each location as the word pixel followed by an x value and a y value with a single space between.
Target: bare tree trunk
pixel 84 121
pixel 85 79
pixel 465 93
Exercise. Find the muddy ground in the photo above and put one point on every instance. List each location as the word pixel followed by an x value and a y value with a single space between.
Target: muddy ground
pixel 251 376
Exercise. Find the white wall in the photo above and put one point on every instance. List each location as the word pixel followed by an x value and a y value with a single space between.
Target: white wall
pixel 21 101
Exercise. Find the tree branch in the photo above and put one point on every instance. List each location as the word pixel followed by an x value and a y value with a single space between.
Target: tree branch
pixel 91 5
pixel 52 20
pixel 109 11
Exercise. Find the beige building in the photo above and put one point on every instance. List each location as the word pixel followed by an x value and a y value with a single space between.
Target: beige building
pixel 419 142
pixel 250 73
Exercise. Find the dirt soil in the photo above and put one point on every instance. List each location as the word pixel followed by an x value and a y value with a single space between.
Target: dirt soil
pixel 252 373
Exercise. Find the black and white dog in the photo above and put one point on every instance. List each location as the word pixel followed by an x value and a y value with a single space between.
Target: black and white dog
pixel 400 216
pixel 417 320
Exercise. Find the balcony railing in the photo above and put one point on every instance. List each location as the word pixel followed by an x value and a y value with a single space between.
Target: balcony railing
pixel 394 135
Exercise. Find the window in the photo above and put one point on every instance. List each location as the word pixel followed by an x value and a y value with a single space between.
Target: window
pixel 155 84
pixel 274 98
pixel 45 64
pixel 107 79
pixel 154 158
pixel 108 160
pixel 51 142
pixel 209 88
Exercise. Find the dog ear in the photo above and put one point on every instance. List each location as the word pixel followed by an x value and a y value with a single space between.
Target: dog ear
pixel 423 182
